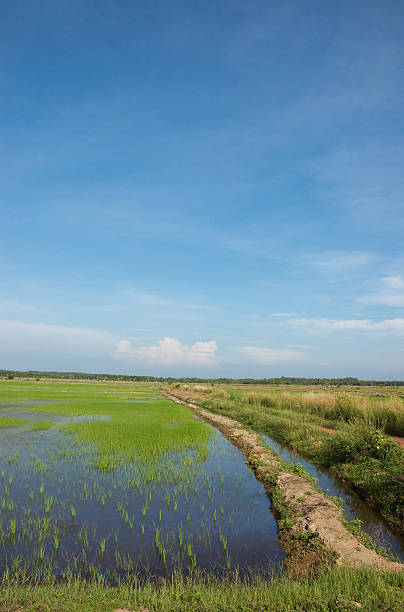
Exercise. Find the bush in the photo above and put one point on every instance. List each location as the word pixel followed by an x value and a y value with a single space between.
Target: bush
pixel 361 441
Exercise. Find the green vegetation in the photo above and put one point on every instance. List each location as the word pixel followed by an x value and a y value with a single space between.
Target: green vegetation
pixel 332 590
pixel 11 422
pixel 282 380
pixel 339 431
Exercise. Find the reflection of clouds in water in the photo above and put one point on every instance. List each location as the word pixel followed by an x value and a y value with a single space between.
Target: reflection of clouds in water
pixel 87 418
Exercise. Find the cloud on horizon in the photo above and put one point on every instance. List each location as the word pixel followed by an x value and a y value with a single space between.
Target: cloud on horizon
pixel 268 356
pixel 170 352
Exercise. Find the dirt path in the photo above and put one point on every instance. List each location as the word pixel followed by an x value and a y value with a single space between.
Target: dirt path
pixel 310 510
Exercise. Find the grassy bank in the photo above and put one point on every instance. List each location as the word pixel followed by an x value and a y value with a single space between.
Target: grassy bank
pixel 334 589
pixel 343 433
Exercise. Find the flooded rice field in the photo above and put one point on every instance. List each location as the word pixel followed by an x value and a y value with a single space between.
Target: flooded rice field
pixel 100 484
pixel 354 507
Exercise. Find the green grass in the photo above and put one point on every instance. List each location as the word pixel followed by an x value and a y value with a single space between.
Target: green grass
pixel 333 590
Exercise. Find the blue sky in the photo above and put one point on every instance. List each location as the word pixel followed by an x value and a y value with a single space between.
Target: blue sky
pixel 202 188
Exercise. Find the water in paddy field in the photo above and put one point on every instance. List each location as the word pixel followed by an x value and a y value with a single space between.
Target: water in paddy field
pixel 197 508
pixel 354 507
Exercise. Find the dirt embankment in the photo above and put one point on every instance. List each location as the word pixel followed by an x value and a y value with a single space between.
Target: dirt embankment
pixel 309 510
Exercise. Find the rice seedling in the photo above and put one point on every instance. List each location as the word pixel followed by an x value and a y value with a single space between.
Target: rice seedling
pixel 102 547
pixel 48 503
pixel 13 528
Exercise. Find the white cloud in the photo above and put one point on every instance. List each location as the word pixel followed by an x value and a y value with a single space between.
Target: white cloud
pixel 284 314
pixel 169 351
pixel 386 326
pixel 390 292
pixel 265 356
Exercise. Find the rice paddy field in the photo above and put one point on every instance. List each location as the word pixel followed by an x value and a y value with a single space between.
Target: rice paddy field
pixel 113 497
pixel 111 482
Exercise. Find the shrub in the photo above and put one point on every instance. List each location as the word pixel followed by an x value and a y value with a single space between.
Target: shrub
pixel 361 441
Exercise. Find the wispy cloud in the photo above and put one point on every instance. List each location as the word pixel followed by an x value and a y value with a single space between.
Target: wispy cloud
pixel 387 326
pixel 284 314
pixel 155 300
pixel 390 292
pixel 340 261
pixel 368 183
pixel 15 306
pixel 18 336
pixel 170 352
pixel 267 356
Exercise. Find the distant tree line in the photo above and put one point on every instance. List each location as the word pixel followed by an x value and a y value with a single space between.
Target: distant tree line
pixel 283 380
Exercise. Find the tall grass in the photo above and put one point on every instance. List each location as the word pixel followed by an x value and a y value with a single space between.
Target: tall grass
pixel 386 415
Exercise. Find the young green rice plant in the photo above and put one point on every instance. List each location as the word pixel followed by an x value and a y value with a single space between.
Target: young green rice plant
pixel 55 543
pixel 102 548
pixel 13 528
pixel 41 553
pixel 223 540
pixel 41 490
pixel 73 512
pixel 48 503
